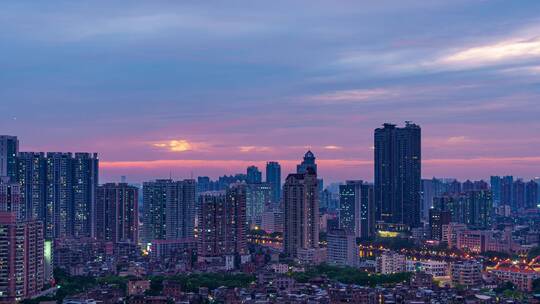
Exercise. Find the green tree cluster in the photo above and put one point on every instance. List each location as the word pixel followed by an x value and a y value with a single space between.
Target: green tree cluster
pixel 349 275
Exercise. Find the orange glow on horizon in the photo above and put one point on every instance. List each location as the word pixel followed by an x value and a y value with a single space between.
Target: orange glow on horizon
pixel 217 163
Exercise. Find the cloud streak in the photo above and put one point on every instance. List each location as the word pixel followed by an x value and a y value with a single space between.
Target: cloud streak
pixel 492 54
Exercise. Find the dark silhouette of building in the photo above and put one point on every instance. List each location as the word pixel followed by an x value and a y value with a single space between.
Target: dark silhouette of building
pixel 308 162
pixel 518 194
pixel 253 175
pixel 507 190
pixel 398 174
pixel 531 190
pixel 495 183
pixel 117 213
pixel 273 177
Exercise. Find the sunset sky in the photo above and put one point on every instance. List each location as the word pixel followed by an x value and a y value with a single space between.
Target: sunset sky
pixel 175 87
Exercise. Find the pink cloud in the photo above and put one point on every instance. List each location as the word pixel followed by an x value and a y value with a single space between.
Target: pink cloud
pixel 357 95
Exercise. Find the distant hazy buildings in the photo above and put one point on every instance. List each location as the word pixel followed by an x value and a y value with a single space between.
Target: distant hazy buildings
pixel 473 208
pixel 253 175
pixel 429 191
pixel 300 196
pixel 273 177
pixel 9 148
pixel 398 174
pixel 169 209
pixel 357 210
pixel 515 193
pixel 204 183
pixel 117 213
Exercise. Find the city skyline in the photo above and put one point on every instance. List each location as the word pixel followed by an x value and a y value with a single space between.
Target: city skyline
pixel 177 87
pixel 238 166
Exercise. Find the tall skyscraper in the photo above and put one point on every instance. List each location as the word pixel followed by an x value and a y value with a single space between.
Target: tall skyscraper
pixel 169 209
pixel 531 190
pixel 236 201
pixel 156 194
pixel 398 174
pixel 518 194
pixel 253 175
pixel 9 148
pixel 85 183
pixel 258 200
pixel 507 183
pixel 181 212
pixel 22 271
pixel 273 177
pixel 308 162
pixel 357 211
pixel 495 183
pixel 117 213
pixel 32 176
pixel 59 201
pixel 71 183
pixel 300 195
pixel 222 226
